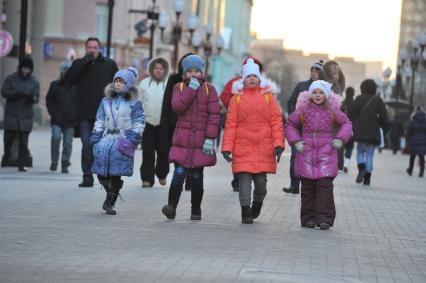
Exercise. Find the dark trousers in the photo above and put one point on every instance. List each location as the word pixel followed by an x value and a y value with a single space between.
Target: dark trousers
pixel 86 128
pixel 245 188
pixel 106 179
pixel 396 144
pixel 23 152
pixel 196 177
pixel 422 162
pixel 317 201
pixel 341 158
pixel 295 181
pixel 153 142
pixel 349 148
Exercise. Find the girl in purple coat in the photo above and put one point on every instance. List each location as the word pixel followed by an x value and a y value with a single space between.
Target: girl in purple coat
pixel 196 103
pixel 310 130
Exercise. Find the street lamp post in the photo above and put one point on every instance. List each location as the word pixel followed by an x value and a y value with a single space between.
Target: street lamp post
pixel 162 20
pixel 207 46
pixel 109 32
pixel 23 29
pixel 177 29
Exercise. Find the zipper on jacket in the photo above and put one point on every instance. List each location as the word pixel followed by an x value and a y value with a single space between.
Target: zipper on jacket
pixel 194 115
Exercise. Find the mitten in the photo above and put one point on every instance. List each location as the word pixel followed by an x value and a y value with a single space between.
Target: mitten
pixel 227 156
pixel 194 83
pixel 300 146
pixel 208 146
pixel 278 152
pixel 337 144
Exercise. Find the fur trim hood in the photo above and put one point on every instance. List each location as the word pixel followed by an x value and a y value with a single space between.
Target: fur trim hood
pixel 160 60
pixel 334 101
pixel 131 94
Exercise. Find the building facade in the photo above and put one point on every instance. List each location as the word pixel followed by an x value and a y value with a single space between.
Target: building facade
pixel 57 30
pixel 413 23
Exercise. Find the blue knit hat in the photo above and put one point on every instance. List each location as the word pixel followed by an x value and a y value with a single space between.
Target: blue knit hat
pixel 129 76
pixel 193 62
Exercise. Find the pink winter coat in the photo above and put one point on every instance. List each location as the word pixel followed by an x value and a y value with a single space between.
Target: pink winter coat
pixel 314 124
pixel 198 118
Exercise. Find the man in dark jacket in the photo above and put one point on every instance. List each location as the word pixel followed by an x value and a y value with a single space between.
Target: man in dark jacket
pixel 60 102
pixel 91 74
pixel 21 91
pixel 368 114
pixel 302 86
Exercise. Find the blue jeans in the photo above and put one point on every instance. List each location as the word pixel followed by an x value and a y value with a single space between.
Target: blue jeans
pixel 295 181
pixel 196 176
pixel 364 155
pixel 57 132
pixel 86 128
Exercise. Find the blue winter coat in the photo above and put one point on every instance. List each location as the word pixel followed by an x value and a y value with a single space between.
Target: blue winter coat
pixel 417 134
pixel 130 122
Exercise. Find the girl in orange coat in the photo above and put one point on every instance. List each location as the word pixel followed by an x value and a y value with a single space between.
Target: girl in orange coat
pixel 254 137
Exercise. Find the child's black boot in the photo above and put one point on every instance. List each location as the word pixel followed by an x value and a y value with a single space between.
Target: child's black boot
pixel 246 217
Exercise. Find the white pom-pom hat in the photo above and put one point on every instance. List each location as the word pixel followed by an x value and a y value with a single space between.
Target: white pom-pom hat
pixel 250 68
pixel 324 86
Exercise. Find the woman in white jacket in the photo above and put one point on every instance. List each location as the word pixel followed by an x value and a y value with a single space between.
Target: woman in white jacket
pixel 152 89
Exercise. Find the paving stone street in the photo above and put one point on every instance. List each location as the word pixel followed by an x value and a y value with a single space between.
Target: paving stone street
pixel 53 231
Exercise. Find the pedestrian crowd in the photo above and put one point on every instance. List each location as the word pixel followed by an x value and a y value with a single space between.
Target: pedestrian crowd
pixel 177 118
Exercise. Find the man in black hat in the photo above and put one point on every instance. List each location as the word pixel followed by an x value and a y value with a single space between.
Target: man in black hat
pixel 316 70
pixel 21 91
pixel 91 74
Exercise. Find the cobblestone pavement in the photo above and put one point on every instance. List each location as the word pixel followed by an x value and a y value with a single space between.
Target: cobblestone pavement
pixel 53 231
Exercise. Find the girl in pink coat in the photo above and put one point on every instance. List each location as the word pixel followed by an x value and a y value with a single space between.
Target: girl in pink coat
pixel 310 130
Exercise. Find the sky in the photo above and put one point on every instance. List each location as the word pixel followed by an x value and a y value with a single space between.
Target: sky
pixel 367 30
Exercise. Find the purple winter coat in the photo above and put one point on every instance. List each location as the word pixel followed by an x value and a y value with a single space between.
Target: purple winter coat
pixel 198 118
pixel 314 124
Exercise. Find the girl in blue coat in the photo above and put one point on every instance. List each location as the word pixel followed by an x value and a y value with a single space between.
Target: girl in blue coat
pixel 119 125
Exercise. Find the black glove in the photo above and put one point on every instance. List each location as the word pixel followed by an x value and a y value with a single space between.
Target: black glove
pixel 89 58
pixel 278 152
pixel 227 156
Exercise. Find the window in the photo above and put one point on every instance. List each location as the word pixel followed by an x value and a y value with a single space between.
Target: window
pixel 101 26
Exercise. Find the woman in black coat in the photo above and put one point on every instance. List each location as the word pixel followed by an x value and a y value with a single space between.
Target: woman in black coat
pixel 416 136
pixel 21 91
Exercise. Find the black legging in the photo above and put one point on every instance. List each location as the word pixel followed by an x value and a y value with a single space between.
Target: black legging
pixel 422 162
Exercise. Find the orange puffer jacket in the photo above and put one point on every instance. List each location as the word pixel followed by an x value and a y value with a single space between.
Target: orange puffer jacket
pixel 254 128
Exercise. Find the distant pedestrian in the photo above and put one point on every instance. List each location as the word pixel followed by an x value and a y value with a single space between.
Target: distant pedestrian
pixel 152 92
pixel 21 91
pixel 416 136
pixel 196 103
pixel 333 73
pixel 60 102
pixel 91 74
pixel 118 130
pixel 368 114
pixel 396 131
pixel 346 107
pixel 310 129
pixel 254 136
pixel 168 115
pixel 228 92
pixel 315 73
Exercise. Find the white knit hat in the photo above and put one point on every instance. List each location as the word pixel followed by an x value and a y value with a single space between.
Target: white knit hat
pixel 324 86
pixel 250 68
